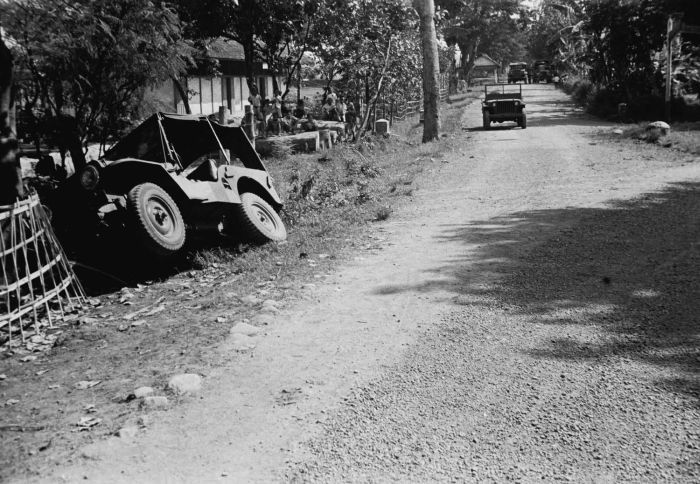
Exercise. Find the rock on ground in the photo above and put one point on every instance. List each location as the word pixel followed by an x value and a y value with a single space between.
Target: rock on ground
pixel 127 432
pixel 245 329
pixel 155 402
pixel 142 392
pixel 185 384
pixel 241 342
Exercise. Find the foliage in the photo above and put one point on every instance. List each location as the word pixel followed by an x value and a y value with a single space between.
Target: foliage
pixel 493 27
pixel 618 49
pixel 688 70
pixel 621 41
pixel 555 34
pixel 376 41
pixel 92 57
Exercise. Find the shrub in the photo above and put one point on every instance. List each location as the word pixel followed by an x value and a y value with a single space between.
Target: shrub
pixel 383 213
pixel 582 91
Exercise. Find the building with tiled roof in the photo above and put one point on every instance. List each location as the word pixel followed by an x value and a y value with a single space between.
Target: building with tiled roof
pixel 207 93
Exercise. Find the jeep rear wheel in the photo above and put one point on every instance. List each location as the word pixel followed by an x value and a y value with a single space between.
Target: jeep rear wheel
pixel 258 221
pixel 156 220
pixel 487 120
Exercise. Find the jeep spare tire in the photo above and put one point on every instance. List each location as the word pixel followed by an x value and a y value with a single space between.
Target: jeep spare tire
pixel 258 221
pixel 156 219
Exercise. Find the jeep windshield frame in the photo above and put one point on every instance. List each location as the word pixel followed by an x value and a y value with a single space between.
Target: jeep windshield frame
pixel 500 92
pixel 182 139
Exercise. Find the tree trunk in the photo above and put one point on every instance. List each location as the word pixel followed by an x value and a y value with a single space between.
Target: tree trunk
pixel 249 61
pixel 469 51
pixel 11 187
pixel 275 83
pixel 431 69
pixel 183 94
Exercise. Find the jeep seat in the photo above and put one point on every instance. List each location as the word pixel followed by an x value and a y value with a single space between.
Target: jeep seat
pixel 206 171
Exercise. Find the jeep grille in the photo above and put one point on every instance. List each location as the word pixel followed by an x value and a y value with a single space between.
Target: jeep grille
pixel 504 107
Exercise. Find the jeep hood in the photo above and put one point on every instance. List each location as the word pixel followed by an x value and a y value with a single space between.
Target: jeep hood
pixel 175 138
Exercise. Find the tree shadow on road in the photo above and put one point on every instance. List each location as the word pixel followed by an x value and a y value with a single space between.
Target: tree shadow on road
pixel 631 269
pixel 544 114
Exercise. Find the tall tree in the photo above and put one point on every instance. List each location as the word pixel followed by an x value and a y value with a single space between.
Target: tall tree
pixel 10 172
pixel 483 26
pixel 284 41
pixel 374 54
pixel 431 69
pixel 555 33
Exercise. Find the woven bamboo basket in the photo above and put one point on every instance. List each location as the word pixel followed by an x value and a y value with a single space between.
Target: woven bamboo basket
pixel 37 282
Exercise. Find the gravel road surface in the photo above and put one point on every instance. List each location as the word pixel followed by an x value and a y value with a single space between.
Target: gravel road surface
pixel 531 315
pixel 571 348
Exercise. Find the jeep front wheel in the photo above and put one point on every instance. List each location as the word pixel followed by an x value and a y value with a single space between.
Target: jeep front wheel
pixel 258 221
pixel 156 219
pixel 487 120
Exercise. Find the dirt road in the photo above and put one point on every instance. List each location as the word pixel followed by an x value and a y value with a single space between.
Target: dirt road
pixel 532 315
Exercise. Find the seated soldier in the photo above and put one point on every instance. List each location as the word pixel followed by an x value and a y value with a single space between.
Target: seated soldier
pixel 329 111
pixel 350 120
pixel 274 125
pixel 300 111
pixel 289 123
pixel 341 109
pixel 309 124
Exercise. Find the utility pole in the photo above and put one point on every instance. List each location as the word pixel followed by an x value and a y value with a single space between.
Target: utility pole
pixel 431 69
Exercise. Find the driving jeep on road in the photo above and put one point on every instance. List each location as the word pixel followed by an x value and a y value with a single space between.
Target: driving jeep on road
pixel 175 174
pixel 503 103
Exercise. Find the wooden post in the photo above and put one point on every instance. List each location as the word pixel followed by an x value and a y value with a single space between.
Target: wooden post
pixel 222 118
pixel 223 115
pixel 374 121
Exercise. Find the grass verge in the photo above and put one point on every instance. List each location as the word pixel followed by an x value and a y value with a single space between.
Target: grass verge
pixel 683 137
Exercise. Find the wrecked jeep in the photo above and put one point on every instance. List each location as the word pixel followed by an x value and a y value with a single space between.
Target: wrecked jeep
pixel 175 174
pixel 501 104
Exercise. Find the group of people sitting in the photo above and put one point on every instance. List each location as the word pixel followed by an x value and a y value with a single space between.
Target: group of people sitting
pixel 273 118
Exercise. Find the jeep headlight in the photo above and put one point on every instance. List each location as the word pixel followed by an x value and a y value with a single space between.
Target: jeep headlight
pixel 89 177
pixel 517 103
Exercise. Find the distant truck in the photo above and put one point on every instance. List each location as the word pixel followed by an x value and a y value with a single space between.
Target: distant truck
pixel 517 71
pixel 541 71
